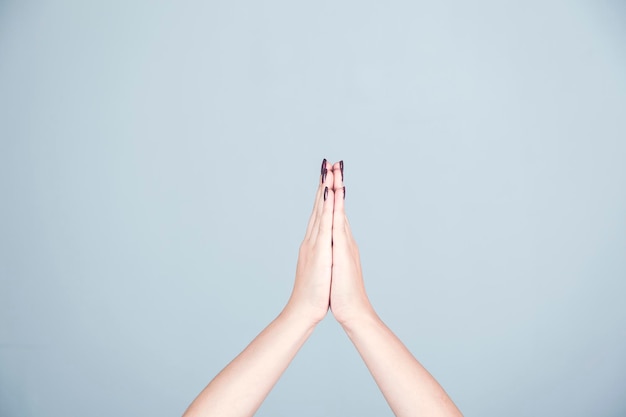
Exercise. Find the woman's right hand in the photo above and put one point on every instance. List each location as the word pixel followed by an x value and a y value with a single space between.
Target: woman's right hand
pixel 310 295
pixel 348 299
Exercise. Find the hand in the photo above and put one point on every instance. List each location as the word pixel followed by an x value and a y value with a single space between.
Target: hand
pixel 348 299
pixel 328 274
pixel 310 295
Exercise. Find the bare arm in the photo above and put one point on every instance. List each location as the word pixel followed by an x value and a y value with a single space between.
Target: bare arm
pixel 410 390
pixel 406 385
pixel 240 388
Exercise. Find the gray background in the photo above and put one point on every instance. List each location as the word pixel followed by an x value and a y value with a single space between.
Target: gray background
pixel 157 169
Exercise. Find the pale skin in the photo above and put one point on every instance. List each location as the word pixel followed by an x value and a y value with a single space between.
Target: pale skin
pixel 328 276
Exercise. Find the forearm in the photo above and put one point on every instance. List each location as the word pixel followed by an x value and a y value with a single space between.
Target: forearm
pixel 407 386
pixel 240 388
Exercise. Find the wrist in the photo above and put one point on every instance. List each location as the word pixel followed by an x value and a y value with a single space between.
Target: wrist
pixel 304 316
pixel 358 317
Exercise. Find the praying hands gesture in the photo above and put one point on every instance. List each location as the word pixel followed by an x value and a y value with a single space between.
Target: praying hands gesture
pixel 328 275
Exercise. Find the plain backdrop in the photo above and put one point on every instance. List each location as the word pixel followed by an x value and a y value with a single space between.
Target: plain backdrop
pixel 158 163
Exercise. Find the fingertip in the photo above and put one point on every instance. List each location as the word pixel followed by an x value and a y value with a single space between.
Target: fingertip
pixel 325 171
pixel 328 179
pixel 337 168
pixel 341 169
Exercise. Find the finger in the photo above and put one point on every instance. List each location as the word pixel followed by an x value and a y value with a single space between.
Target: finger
pixel 326 192
pixel 340 193
pixel 318 196
pixel 337 169
pixel 326 219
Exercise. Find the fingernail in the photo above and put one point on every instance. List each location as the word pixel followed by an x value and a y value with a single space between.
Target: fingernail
pixel 344 192
pixel 323 166
pixel 341 168
pixel 325 193
pixel 324 175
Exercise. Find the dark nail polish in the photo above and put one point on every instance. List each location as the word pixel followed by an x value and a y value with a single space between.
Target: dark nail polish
pixel 341 168
pixel 344 192
pixel 324 175
pixel 323 166
pixel 325 193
